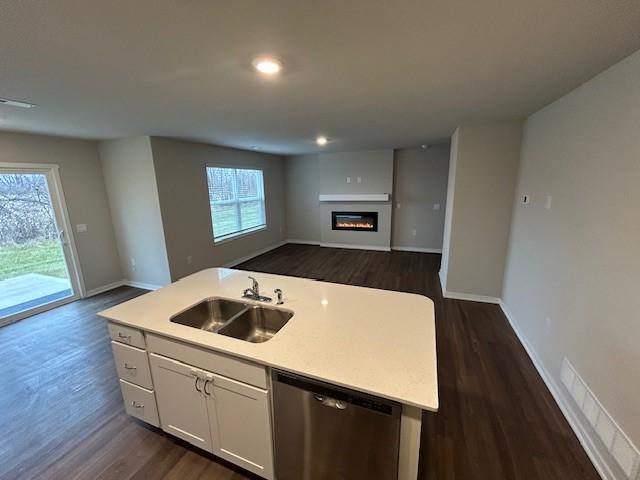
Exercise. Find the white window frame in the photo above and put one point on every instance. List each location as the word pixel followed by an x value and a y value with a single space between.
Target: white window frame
pixel 261 197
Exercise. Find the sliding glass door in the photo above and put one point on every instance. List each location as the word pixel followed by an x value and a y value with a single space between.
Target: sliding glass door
pixel 37 261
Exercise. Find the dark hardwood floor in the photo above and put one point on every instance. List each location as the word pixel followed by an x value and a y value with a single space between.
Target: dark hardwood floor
pixel 61 413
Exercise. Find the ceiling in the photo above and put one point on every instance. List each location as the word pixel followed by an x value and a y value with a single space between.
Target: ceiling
pixel 367 74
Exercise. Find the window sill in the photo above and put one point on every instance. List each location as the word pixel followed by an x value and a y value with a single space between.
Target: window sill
pixel 235 236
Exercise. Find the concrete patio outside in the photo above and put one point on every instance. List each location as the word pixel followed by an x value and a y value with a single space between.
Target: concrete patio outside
pixel 31 290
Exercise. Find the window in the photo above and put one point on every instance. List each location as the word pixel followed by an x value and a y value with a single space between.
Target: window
pixel 236 198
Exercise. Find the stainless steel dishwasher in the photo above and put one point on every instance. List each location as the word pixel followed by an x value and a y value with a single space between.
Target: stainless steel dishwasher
pixel 326 432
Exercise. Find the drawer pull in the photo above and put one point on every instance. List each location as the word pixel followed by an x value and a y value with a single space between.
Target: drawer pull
pixel 123 336
pixel 129 367
pixel 135 404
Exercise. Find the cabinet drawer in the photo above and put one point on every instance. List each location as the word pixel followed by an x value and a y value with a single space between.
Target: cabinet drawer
pixel 132 365
pixel 128 335
pixel 140 403
pixel 215 362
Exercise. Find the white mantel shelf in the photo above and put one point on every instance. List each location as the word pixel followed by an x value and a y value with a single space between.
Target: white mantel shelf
pixel 354 197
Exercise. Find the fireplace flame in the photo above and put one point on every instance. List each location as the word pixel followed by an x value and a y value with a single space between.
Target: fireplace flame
pixel 354 225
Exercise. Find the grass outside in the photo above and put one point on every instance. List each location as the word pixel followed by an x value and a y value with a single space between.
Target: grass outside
pixel 44 257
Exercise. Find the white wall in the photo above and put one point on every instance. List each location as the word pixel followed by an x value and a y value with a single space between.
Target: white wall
pixel 481 188
pixel 578 264
pixel 84 191
pixel 180 168
pixel 131 185
pixel 420 181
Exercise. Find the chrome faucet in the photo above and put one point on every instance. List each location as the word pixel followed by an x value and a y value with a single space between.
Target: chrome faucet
pixel 253 293
pixel 278 293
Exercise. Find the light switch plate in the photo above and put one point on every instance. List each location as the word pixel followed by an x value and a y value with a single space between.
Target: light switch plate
pixel 81 227
pixel 436 206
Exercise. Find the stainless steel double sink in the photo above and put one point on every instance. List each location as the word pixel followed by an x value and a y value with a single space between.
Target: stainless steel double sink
pixel 248 322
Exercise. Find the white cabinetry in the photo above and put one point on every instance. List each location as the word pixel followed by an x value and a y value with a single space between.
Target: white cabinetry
pixel 241 425
pixel 181 403
pixel 224 416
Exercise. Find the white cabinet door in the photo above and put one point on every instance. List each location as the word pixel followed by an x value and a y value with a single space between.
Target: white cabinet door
pixel 182 403
pixel 241 425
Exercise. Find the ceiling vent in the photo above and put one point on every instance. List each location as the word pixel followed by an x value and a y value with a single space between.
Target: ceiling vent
pixel 15 103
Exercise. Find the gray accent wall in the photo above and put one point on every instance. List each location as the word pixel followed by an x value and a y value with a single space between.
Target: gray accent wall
pixel 85 195
pixel 482 178
pixel 130 181
pixel 302 187
pixel 374 167
pixel 420 182
pixel 577 264
pixel 180 170
pixel 415 177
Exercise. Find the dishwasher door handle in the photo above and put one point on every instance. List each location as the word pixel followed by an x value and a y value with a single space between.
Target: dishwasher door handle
pixel 331 402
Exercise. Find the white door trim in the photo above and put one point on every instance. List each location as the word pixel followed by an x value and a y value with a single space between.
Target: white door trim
pixel 54 183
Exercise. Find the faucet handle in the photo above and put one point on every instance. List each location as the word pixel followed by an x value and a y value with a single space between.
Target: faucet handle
pixel 278 292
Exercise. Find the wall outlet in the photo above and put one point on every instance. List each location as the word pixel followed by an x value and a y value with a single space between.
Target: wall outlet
pixel 189 260
pixel 548 202
pixel 348 179
pixel 398 205
pixel 133 264
pixel 359 179
pixel 436 206
pixel 81 228
pixel 413 233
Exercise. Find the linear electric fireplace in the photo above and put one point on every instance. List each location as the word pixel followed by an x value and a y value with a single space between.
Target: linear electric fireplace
pixel 358 221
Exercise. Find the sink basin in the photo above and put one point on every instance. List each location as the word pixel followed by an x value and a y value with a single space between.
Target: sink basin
pixel 256 324
pixel 210 314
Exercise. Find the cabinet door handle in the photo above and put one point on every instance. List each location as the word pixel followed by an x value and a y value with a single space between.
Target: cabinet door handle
pixel 207 382
pixel 198 389
pixel 135 404
pixel 124 337
pixel 129 367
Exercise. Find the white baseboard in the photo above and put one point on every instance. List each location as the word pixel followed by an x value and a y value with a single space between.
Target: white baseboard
pixel 240 260
pixel 104 288
pixel 417 249
pixel 144 286
pixel 303 242
pixel 469 297
pixel 357 247
pixel 561 399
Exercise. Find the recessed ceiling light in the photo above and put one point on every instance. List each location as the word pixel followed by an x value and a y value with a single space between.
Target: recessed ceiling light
pixel 267 65
pixel 15 103
pixel 321 141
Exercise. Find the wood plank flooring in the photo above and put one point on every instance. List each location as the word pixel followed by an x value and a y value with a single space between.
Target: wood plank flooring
pixel 61 414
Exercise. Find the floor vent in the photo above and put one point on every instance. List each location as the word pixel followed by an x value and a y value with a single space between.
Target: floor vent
pixel 611 435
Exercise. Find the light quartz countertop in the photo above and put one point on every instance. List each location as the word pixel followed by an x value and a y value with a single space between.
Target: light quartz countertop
pixel 375 341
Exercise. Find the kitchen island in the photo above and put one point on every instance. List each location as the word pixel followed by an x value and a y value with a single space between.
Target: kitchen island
pixel 376 342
